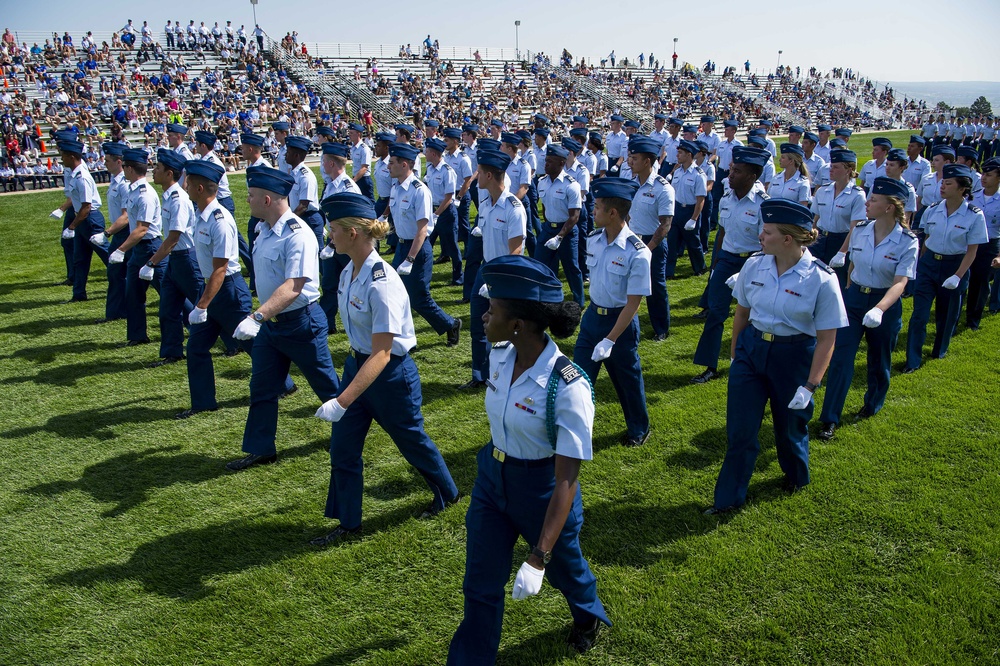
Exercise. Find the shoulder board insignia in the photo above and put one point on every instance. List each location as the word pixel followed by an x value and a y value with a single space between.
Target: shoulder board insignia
pixel 217 214
pixel 765 195
pixel 175 195
pixel 594 233
pixel 446 165
pixel 974 208
pixel 567 371
pixel 294 225
pixel 141 188
pixel 378 271
pixel 417 183
pixel 863 223
pixel 757 254
pixel 636 242
pixel 662 181
pixel 909 232
pixel 699 169
pixel 822 266
pixel 934 204
pixel 501 345
pixel 570 179
pixel 514 201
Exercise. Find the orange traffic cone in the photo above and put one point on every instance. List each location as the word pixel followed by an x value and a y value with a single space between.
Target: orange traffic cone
pixel 5 84
pixel 42 143
pixel 49 164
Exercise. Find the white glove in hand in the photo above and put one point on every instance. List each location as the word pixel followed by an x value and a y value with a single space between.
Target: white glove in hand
pixel 528 582
pixel 554 243
pixel 146 273
pixel 434 219
pixel 247 330
pixel 383 218
pixel 331 411
pixel 602 350
pixel 477 232
pixel 484 291
pixel 97 239
pixel 198 316
pixel 952 282
pixel 802 398
pixel 56 214
pixel 691 224
pixel 873 318
pixel 116 257
pixel 839 260
pixel 68 233
pixel 327 252
pixel 731 280
pixel 405 268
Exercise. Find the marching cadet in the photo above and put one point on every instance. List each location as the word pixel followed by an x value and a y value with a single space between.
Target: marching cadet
pixel 383 181
pixel 541 413
pixel 928 133
pixel 288 326
pixel 595 143
pixel 793 181
pixel 332 263
pixel 252 146
pixel 795 133
pixel 767 175
pixel 205 146
pixel 411 214
pixel 969 156
pixel 281 129
pixel 844 134
pixel 381 381
pixel 668 155
pixel 659 133
pixel 916 166
pixel 704 162
pixel 724 159
pixel 87 217
pixel 442 181
pixel 530 200
pixel 304 197
pixel 823 146
pixel 609 330
pixel 361 159
pixel 814 164
pixel 617 144
pixel 883 259
pixel 117 232
pixel 765 126
pixel 461 163
pixel 837 208
pixel 981 271
pixel 738 237
pixel 895 164
pixel 404 134
pixel 690 191
pixel 580 174
pixel 788 311
pixel 875 167
pixel 561 205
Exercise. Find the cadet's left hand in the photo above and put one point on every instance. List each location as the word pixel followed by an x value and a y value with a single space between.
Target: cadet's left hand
pixel 731 280
pixel 331 411
pixel 68 233
pixel 116 257
pixel 873 318
pixel 477 232
pixel 602 350
pixel 952 282
pixel 484 291
pixel 554 243
pixel 528 582
pixel 802 398
pixel 57 214
pixel 198 315
pixel 839 260
pixel 691 224
pixel 405 268
pixel 97 239
pixel 327 252
pixel 247 330
pixel 146 273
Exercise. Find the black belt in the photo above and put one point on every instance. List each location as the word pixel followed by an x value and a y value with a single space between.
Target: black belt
pixel 502 457
pixel 187 251
pixel 605 311
pixel 870 290
pixel 404 240
pixel 771 337
pixel 362 357
pixel 556 225
pixel 293 315
pixel 824 232
pixel 741 255
pixel 946 257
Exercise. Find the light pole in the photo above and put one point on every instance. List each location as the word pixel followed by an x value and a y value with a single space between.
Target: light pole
pixel 779 60
pixel 674 55
pixel 517 45
pixel 253 3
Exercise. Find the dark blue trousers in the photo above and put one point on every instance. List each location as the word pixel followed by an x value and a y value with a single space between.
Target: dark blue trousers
pixel 690 239
pixel 252 238
pixel 658 302
pixel 84 250
pixel 705 221
pixel 719 301
pixel 471 197
pixel 510 500
pixel 623 366
pixel 418 286
pixel 881 341
pixel 68 244
pixel 931 274
pixel 826 247
pixel 314 219
pixel 533 226
pixel 230 205
pixel 393 401
pixel 298 337
pixel 367 187
pixel 980 274
pixel 473 260
pixel 718 190
pixel 135 289
pixel 568 254
pixel 584 226
pixel 180 290
pixel 762 372
pixel 114 306
pixel 330 270
pixel 477 332
pixel 447 229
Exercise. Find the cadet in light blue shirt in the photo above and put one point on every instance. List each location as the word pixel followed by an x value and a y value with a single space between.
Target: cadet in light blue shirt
pixel 616 142
pixel 875 167
pixel 86 203
pixel 815 164
pixel 836 209
pixel 793 181
pixel 118 231
pixel 334 169
pixel 442 180
pixel 561 201
pixel 361 159
pixel 917 167
pixel 982 270
pixel 690 192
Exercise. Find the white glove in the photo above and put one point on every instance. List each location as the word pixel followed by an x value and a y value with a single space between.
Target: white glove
pixel 331 411
pixel 554 243
pixel 528 582
pixel 116 257
pixel 146 273
pixel 602 350
pixel 405 268
pixel 839 260
pixel 56 214
pixel 873 318
pixel 484 291
pixel 198 316
pixel 68 233
pixel 97 239
pixel 731 280
pixel 434 219
pixel 691 224
pixel 477 232
pixel 384 218
pixel 802 398
pixel 247 330
pixel 952 282
pixel 327 252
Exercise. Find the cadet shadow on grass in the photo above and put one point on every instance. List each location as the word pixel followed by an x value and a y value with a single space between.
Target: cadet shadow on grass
pixel 462 466
pixel 48 353
pixel 352 653
pixel 20 306
pixel 43 326
pixel 127 479
pixel 11 287
pixel 69 373
pixel 707 448
pixel 549 647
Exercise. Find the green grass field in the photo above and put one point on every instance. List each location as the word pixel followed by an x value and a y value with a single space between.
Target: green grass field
pixel 125 542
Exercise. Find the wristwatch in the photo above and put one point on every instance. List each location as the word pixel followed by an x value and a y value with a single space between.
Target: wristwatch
pixel 258 317
pixel 543 555
pixel 411 259
pixel 150 264
pixel 812 387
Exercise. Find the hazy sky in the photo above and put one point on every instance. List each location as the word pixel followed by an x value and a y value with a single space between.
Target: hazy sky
pixel 876 38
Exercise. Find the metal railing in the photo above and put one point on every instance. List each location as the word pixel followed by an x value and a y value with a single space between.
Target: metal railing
pixel 344 50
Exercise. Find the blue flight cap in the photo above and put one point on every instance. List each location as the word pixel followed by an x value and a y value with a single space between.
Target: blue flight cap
pixel 661 116
pixel 177 128
pixel 336 148
pixel 967 151
pixel 898 155
pixel 992 164
pixel 843 156
pixel 617 118
pixel 404 127
pixel 787 148
pixel 614 188
pixel 430 122
pixel 943 150
pixel 205 169
pixel 526 135
pixel 811 136
pixel 702 147
pixel 555 150
pixel 956 171
pixel 730 123
pixel 452 133
pixel 843 131
pixel 471 128
pixel 692 129
pixel 516 277
pixel 634 124
pixel 644 145
pixel 579 131
pixel 404 151
pixel 890 187
pixel 822 127
pixel 325 131
pixel 299 142
pixel 387 137
pixel 488 143
pixel 783 211
pixel 348 204
pixel 496 122
pixel 764 122
pixel 509 138
pixel 137 156
pixel 597 137
pixel 357 127
pixel 750 155
pixel 674 120
pixel 882 141
pixel 64 135
pixel 796 129
pixel 916 138
pixel 837 143
pixel 281 126
pixel 758 141
pixel 207 138
pixel 541 116
pixel 689 146
pixel 572 145
pixel 707 119
pixel 70 146
pixel 541 131
pixel 435 143
pixel 757 132
pixel 493 158
pixel 272 180
pixel 580 119
pixel 170 159
pixel 113 148
pixel 251 139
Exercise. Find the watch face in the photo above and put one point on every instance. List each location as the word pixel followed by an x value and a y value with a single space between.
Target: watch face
pixel 258 317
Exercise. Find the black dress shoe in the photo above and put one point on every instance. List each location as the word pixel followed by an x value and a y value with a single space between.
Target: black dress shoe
pixel 703 314
pixel 235 351
pixel 65 283
pixel 107 320
pixel 251 460
pixel 716 511
pixel 634 441
pixel 136 343
pixel 433 510
pixel 827 431
pixel 167 360
pixel 462 301
pixel 705 377
pixel 188 413
pixel 339 534
pixel 457 283
pixel 75 300
pixel 453 333
pixel 909 371
pixel 581 637
pixel 472 385
pixel 443 259
pixel 660 337
pixel 863 414
pixel 790 486
pixel 291 391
